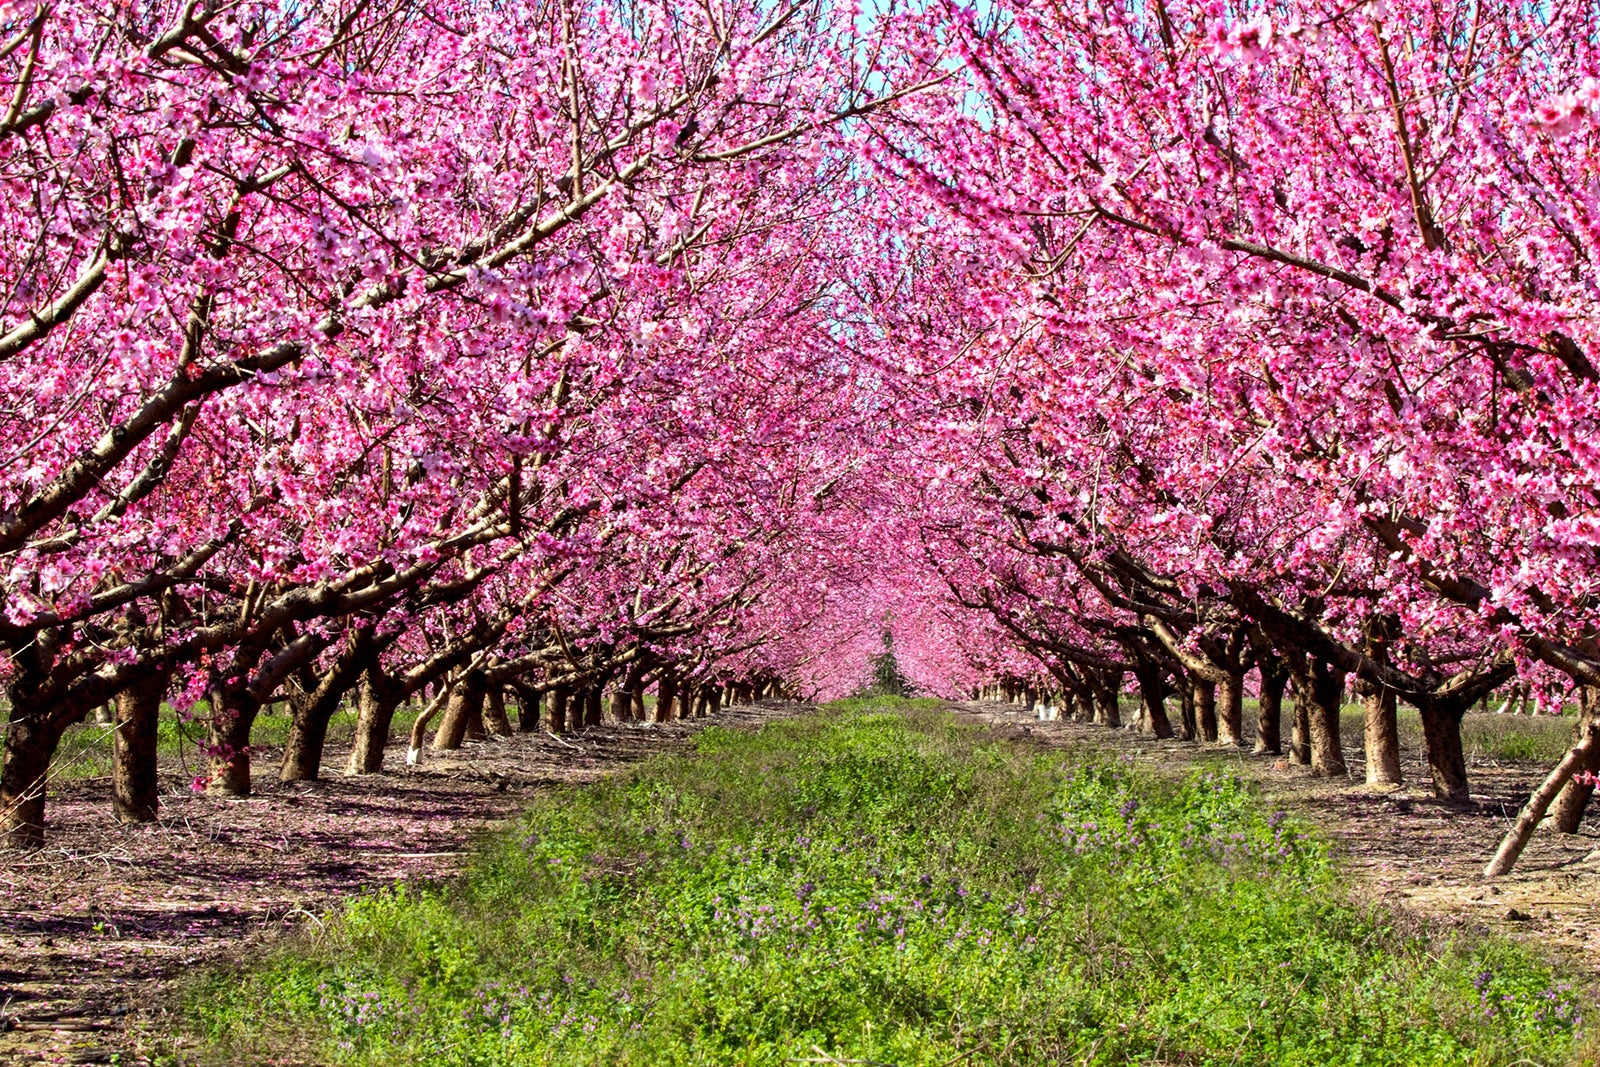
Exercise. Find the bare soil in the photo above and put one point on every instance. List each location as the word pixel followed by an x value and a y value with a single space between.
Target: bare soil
pixel 95 927
pixel 1402 846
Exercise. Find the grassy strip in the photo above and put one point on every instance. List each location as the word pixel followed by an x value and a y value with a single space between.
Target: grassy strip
pixel 879 884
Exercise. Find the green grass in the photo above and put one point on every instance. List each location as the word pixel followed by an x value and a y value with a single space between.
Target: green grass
pixel 1542 739
pixel 86 749
pixel 886 886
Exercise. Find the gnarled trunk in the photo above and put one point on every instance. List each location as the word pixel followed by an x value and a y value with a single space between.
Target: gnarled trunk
pixel 1269 709
pixel 1447 761
pixel 1569 806
pixel 1300 732
pixel 233 713
pixel 1153 701
pixel 1106 689
pixel 135 785
pixel 528 702
pixel 31 742
pixel 466 703
pixel 1230 709
pixel 1533 811
pixel 666 693
pixel 308 736
pixel 494 712
pixel 593 705
pixel 375 708
pixel 1382 736
pixel 1205 708
pixel 558 710
pixel 1327 691
pixel 1188 720
pixel 622 704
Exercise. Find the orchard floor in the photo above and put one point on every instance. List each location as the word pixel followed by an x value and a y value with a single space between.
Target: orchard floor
pixel 95 926
pixel 1409 850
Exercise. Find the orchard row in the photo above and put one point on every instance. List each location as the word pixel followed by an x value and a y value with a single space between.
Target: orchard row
pixel 349 349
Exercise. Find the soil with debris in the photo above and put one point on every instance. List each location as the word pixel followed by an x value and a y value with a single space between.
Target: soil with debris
pixel 95 927
pixel 1406 848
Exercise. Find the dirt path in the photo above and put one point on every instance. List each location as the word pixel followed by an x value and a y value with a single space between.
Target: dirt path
pixel 1411 850
pixel 94 927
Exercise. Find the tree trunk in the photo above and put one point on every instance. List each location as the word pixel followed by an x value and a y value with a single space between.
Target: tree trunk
pixel 1269 711
pixel 1153 701
pixel 1327 752
pixel 30 744
pixel 494 712
pixel 1106 690
pixel 1574 798
pixel 528 701
pixel 375 707
pixel 476 730
pixel 233 713
pixel 1441 732
pixel 135 787
pixel 1382 736
pixel 1230 709
pixel 1300 734
pixel 1205 706
pixel 666 692
pixel 621 704
pixel 713 699
pixel 558 710
pixel 1533 812
pixel 1188 721
pixel 308 735
pixel 593 705
pixel 466 701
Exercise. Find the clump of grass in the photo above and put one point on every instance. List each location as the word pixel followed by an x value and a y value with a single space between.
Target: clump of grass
pixel 881 884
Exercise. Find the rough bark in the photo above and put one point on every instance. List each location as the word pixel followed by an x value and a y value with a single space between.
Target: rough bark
pixel 666 693
pixel 308 734
pixel 466 700
pixel 621 704
pixel 593 705
pixel 1230 709
pixel 1300 732
pixel 375 706
pixel 1188 722
pixel 558 710
pixel 1327 691
pixel 1153 701
pixel 1269 708
pixel 1574 798
pixel 1106 690
pixel 494 712
pixel 1382 726
pixel 135 786
pixel 528 708
pixel 1533 812
pixel 1205 708
pixel 1382 736
pixel 31 741
pixel 1447 761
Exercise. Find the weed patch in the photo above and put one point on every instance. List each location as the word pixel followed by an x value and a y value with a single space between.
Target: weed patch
pixel 880 884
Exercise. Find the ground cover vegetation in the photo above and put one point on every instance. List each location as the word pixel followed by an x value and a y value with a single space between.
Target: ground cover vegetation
pixel 878 883
pixel 532 367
